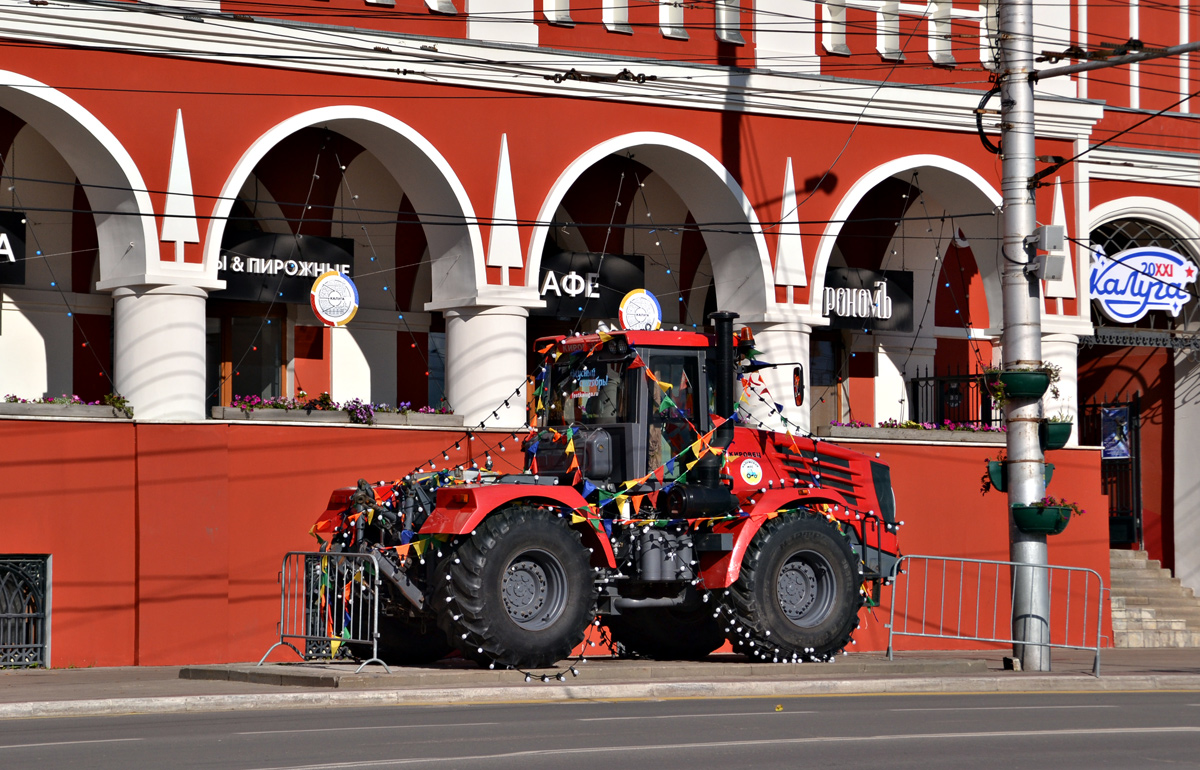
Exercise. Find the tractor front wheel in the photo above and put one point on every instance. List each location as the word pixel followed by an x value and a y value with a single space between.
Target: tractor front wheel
pixel 797 596
pixel 518 592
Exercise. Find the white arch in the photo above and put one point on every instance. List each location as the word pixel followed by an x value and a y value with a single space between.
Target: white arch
pixel 125 225
pixel 741 262
pixel 1171 217
pixel 941 177
pixel 421 171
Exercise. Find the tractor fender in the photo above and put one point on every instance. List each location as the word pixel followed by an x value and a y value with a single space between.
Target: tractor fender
pixel 721 569
pixel 460 509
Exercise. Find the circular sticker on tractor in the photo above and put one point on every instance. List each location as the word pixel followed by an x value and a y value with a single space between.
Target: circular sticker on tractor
pixel 751 472
pixel 334 298
pixel 640 311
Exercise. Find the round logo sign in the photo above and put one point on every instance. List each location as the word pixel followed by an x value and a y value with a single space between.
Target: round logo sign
pixel 640 311
pixel 334 298
pixel 751 472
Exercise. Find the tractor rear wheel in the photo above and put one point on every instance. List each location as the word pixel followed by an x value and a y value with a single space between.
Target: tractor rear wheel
pixel 686 632
pixel 518 592
pixel 797 596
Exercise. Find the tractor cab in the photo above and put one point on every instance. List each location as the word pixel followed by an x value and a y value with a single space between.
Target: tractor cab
pixel 632 401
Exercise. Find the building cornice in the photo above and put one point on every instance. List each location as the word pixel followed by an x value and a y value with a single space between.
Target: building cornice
pixel 193 34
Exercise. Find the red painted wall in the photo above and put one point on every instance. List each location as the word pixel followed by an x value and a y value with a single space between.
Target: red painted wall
pixel 167 539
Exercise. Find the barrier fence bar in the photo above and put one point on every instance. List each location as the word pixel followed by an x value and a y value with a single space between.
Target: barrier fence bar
pixel 911 573
pixel 329 602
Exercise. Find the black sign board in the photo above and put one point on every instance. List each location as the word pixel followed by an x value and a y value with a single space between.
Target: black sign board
pixel 12 248
pixel 262 267
pixel 583 285
pixel 868 300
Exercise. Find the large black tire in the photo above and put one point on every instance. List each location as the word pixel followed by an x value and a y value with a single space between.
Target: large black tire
pixel 405 642
pixel 686 632
pixel 797 596
pixel 518 592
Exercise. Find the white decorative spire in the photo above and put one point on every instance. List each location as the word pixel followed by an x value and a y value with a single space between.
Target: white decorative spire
pixel 179 213
pixel 504 243
pixel 1064 288
pixel 789 254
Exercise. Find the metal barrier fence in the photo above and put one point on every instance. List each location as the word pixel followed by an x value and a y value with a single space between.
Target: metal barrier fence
pixel 329 602
pixel 972 600
pixel 23 588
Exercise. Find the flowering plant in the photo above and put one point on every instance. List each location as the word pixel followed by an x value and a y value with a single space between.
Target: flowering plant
pixel 115 400
pixel 945 425
pixel 850 424
pixel 361 412
pixel 1055 502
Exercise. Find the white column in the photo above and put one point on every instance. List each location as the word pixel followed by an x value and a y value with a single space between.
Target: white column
pixel 1062 350
pixel 158 350
pixel 786 344
pixel 897 361
pixel 486 354
pixel 1187 483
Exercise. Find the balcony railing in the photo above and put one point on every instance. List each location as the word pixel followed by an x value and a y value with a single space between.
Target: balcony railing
pixel 961 398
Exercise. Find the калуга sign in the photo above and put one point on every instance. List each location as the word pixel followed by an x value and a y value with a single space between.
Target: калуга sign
pixel 1130 284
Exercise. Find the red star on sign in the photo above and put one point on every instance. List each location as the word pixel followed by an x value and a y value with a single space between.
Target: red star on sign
pixel 1189 272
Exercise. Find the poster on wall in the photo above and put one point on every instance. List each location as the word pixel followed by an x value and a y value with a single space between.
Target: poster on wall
pixel 266 267
pixel 586 285
pixel 868 300
pixel 1114 432
pixel 12 248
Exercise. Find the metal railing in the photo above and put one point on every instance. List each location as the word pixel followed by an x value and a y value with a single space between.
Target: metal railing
pixel 944 597
pixel 962 398
pixel 330 603
pixel 24 581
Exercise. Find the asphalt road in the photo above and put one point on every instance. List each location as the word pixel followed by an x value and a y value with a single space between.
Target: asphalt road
pixel 1058 731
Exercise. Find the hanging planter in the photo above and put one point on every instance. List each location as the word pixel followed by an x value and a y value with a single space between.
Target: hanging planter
pixel 998 474
pixel 1025 384
pixel 1054 435
pixel 1038 519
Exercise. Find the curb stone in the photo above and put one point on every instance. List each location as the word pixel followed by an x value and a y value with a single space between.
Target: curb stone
pixel 568 692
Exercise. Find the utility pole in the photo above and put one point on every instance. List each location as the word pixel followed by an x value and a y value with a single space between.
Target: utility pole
pixel 1022 339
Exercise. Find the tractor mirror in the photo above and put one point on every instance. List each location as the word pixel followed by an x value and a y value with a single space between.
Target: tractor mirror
pixel 798 384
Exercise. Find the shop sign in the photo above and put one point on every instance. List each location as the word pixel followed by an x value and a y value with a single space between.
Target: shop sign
pixel 12 248
pixel 868 300
pixel 584 285
pixel 640 310
pixel 1132 283
pixel 334 299
pixel 268 267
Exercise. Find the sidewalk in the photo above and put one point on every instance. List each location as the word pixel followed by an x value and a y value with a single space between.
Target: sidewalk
pixel 85 692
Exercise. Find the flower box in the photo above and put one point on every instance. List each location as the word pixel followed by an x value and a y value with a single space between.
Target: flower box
pixel 71 411
pixel 338 416
pixel 911 434
pixel 999 476
pixel 1054 435
pixel 1041 519
pixel 1023 384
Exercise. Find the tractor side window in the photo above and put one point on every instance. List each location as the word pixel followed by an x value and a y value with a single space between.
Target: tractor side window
pixel 586 392
pixel 676 409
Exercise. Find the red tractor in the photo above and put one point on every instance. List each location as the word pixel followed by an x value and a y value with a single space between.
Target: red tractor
pixel 643 501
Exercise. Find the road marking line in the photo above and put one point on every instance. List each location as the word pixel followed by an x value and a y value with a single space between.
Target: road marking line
pixel 693 716
pixel 359 727
pixel 609 749
pixel 67 743
pixel 1008 708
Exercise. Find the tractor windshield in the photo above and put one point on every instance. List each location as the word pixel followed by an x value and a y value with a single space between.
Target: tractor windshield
pixel 584 391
